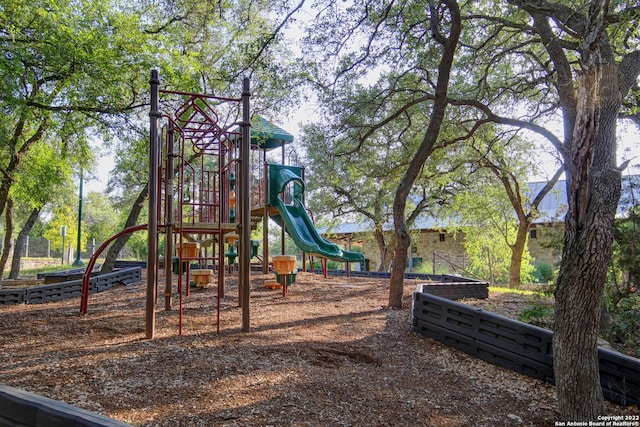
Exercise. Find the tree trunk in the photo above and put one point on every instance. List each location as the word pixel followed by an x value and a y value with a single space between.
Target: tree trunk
pixel 593 189
pixel 590 107
pixel 388 257
pixel 132 219
pixel 385 250
pixel 5 185
pixel 8 231
pixel 21 241
pixel 517 249
pixel 382 249
pixel 396 288
pixel 524 219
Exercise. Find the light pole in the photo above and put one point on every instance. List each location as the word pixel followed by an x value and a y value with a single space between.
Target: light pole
pixel 78 261
pixel 63 233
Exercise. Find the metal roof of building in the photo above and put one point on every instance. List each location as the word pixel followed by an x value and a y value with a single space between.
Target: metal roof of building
pixel 552 209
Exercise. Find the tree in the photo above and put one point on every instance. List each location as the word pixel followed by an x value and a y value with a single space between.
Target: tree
pixel 359 183
pixel 367 39
pixel 100 215
pixel 350 178
pixel 354 186
pixel 485 215
pixel 448 44
pixel 21 242
pixel 525 63
pixel 42 177
pixel 130 181
pixel 64 217
pixel 578 60
pixel 506 157
pixel 8 235
pixel 132 219
pixel 66 66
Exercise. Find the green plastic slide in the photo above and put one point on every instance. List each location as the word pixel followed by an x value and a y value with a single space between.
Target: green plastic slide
pixel 296 220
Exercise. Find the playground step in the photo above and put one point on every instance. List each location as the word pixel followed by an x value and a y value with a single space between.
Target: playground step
pixel 207 226
pixel 258 212
pixel 272 284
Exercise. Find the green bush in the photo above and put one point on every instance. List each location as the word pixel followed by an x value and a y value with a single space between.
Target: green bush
pixel 625 322
pixel 544 272
pixel 331 265
pixel 539 313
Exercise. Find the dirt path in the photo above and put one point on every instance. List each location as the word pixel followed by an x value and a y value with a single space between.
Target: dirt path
pixel 329 354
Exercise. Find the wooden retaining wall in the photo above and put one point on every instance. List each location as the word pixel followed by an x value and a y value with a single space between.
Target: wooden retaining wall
pixel 19 408
pixel 444 285
pixel 515 345
pixel 69 289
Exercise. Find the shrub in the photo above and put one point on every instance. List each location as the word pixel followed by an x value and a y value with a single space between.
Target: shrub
pixel 539 313
pixel 544 272
pixel 625 322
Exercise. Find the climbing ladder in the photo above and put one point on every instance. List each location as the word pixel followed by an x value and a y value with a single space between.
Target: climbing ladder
pixel 199 169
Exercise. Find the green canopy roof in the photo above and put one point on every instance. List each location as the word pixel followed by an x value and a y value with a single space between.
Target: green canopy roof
pixel 266 135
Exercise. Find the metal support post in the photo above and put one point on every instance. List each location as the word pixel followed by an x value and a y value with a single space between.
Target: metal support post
pixel 245 208
pixel 168 220
pixel 78 261
pixel 152 232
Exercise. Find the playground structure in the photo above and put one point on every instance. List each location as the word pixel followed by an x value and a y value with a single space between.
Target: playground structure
pixel 204 191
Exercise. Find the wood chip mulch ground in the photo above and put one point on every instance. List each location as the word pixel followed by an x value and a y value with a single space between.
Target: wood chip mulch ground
pixel 329 354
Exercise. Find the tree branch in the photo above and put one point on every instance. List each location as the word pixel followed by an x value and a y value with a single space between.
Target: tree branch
pixel 435 24
pixel 623 16
pixel 547 187
pixel 364 56
pixel 273 35
pixel 85 109
pixel 556 53
pixel 635 118
pixel 492 117
pixel 629 70
pixel 566 17
pixel 400 111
